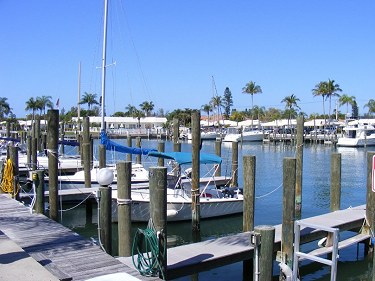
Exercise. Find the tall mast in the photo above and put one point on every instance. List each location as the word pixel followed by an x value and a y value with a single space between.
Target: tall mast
pixel 104 55
pixel 79 92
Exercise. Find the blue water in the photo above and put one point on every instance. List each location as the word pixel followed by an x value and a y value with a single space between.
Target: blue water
pixel 268 209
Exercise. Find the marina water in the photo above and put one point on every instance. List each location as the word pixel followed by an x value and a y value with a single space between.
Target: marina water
pixel 353 265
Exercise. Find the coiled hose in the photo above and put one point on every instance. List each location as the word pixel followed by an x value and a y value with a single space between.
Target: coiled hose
pixel 145 251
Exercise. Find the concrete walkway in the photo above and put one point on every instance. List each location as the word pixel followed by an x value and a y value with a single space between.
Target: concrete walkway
pixel 16 264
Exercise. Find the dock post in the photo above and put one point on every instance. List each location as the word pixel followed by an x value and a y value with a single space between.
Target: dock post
pixel 138 144
pixel 86 163
pixel 370 196
pixel 38 179
pixel 158 211
pixel 267 237
pixel 34 154
pixel 13 151
pixel 218 153
pixel 28 151
pixel 176 130
pixel 124 171
pixel 234 181
pixel 335 181
pixel 105 178
pixel 249 166
pixel 37 133
pixel 249 162
pixel 52 146
pixel 129 143
pixel 195 175
pixel 299 165
pixel 289 184
pixel 102 156
pixel 161 148
pixel 62 137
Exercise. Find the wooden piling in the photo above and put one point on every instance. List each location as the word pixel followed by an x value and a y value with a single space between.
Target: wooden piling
pixel 34 153
pixel 234 181
pixel 195 191
pixel 102 156
pixel 289 184
pixel 14 158
pixel 124 171
pixel 267 237
pixel 218 153
pixel 177 147
pixel 62 137
pixel 129 141
pixel 38 179
pixel 37 133
pixel 138 144
pixel 161 148
pixel 299 165
pixel 158 210
pixel 249 164
pixel 176 130
pixel 335 182
pixel 29 151
pixel 52 146
pixel 105 219
pixel 86 164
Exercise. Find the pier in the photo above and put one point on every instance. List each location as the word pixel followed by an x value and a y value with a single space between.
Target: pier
pixel 61 252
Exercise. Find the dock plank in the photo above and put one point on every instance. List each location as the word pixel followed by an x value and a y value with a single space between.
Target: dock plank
pixel 61 251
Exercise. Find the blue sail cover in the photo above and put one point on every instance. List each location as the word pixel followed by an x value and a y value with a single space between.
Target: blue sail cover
pixel 110 145
pixel 185 157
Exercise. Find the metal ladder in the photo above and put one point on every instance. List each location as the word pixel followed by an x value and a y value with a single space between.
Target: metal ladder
pixel 297 254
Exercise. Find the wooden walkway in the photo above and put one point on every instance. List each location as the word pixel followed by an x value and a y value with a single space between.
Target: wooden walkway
pixel 64 253
pixel 192 258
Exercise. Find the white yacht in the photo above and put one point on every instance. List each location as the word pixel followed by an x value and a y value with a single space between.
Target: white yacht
pixel 358 134
pixel 247 133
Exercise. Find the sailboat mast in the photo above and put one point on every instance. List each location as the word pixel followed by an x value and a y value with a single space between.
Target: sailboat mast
pixel 104 56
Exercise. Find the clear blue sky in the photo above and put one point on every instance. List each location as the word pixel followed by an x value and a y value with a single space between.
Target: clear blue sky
pixel 168 51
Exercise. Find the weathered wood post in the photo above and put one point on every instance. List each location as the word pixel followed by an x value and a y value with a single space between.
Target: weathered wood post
pixel 176 130
pixel 370 194
pixel 195 175
pixel 335 181
pixel 218 153
pixel 249 162
pixel 34 153
pixel 267 236
pixel 62 137
pixel 124 171
pixel 158 211
pixel 86 164
pixel 289 184
pixel 52 146
pixel 13 150
pixel 234 181
pixel 105 178
pixel 38 179
pixel 129 141
pixel 102 156
pixel 299 165
pixel 161 148
pixel 38 134
pixel 28 151
pixel 7 129
pixel 138 144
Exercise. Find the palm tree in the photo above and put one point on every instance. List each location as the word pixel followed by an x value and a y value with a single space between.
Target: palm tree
pixel 32 104
pixel 4 108
pixel 290 105
pixel 130 110
pixel 346 100
pixel 89 99
pixel 207 108
pixel 147 107
pixel 45 101
pixel 217 103
pixel 138 114
pixel 251 88
pixel 371 106
pixel 332 90
pixel 321 90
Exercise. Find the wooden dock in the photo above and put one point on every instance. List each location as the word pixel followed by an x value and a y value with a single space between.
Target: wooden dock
pixel 64 253
pixel 193 258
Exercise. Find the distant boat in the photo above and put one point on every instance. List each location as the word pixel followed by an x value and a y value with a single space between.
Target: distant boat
pixel 247 133
pixel 358 134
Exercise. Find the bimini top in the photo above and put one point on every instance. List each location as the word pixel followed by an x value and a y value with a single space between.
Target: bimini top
pixel 185 157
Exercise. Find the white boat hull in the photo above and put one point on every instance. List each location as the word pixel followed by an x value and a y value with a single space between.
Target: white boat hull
pixel 355 142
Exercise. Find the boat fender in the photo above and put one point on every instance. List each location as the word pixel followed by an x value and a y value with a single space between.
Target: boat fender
pixel 322 242
pixel 171 213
